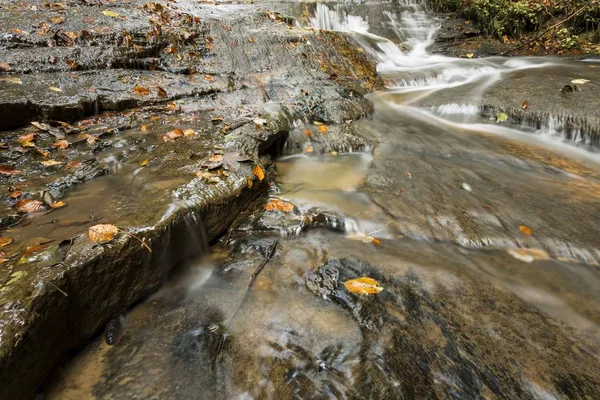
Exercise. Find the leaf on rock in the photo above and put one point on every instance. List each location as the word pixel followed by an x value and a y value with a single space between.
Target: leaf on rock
pixel 363 285
pixel 141 91
pixel 172 135
pixel 249 182
pixel 5 241
pixel 144 128
pixel 161 92
pixel 102 233
pixel 55 89
pixel 71 35
pixel 501 117
pixel 15 193
pixel 279 205
pixel 50 163
pixel 8 170
pixel 525 105
pixel 29 205
pixel 307 132
pixel 28 137
pixel 5 67
pixel 259 173
pixel 209 78
pixel 323 129
pixel 111 14
pixel 57 20
pixel 526 230
pixel 580 81
pixel 231 161
pixel 60 144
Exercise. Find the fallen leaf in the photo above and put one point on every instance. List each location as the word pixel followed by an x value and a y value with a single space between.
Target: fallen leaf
pixel 470 55
pixel 29 205
pixel 144 163
pixel 363 285
pixel 252 40
pixel 144 128
pixel 259 173
pixel 466 187
pixel 111 14
pixel 141 91
pixel 215 158
pixel 528 255
pixel 323 129
pixel 55 89
pixel 8 170
pixel 501 117
pixel 57 20
pixel 26 138
pixel 102 233
pixel 58 204
pixel 376 241
pixel 172 135
pixel 41 152
pixel 71 35
pixel 279 205
pixel 526 230
pixel 209 78
pixel 15 193
pixel 580 81
pixel 249 182
pixel 307 132
pixel 72 164
pixel 309 149
pixel 49 163
pixel 5 241
pixel 361 237
pixel 12 79
pixel 60 144
pixel 524 105
pixel 91 139
pixel 161 92
pixel 4 67
pixel 189 132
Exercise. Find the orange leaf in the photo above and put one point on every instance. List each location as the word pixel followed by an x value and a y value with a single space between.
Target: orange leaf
pixel 525 104
pixel 8 170
pixel 102 233
pixel 161 92
pixel 172 135
pixel 215 158
pixel 144 128
pixel 15 193
pixel 259 173
pixel 209 78
pixel 323 129
pixel 309 149
pixel 141 91
pixel 526 230
pixel 58 204
pixel 280 205
pixel 307 132
pixel 5 241
pixel 363 285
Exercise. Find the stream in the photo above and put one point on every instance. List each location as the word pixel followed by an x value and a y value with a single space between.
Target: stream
pixel 481 227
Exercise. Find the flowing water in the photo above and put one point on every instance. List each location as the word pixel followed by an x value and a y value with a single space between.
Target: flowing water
pixel 472 306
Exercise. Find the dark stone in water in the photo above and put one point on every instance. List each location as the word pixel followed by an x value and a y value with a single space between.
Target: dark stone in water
pixel 113 330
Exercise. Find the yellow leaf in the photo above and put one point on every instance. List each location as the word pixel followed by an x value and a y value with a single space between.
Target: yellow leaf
pixel 58 204
pixel 470 55
pixel 259 173
pixel 50 163
pixel 144 163
pixel 109 13
pixel 5 241
pixel 526 230
pixel 323 129
pixel 55 89
pixel 144 128
pixel 363 285
pixel 249 182
pixel 102 233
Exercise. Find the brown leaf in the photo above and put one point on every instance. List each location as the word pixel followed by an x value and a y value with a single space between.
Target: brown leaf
pixel 57 20
pixel 252 39
pixel 526 230
pixel 5 241
pixel 15 193
pixel 172 135
pixel 42 152
pixel 5 67
pixel 209 78
pixel 72 64
pixel 280 205
pixel 161 92
pixel 524 105
pixel 363 285
pixel 26 138
pixel 71 35
pixel 29 205
pixel 8 170
pixel 141 91
pixel 58 204
pixel 60 144
pixel 259 173
pixel 72 164
pixel 307 132
pixel 102 233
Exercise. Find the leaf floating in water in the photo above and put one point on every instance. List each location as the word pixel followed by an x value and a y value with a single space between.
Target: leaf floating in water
pixel 60 144
pixel 361 237
pixel 501 117
pixel 363 285
pixel 259 173
pixel 58 204
pixel 529 255
pixel 580 81
pixel 29 205
pixel 172 135
pixel 524 105
pixel 102 233
pixel 5 241
pixel 279 205
pixel 526 230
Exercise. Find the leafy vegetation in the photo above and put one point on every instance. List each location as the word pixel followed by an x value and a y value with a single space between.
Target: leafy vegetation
pixel 577 21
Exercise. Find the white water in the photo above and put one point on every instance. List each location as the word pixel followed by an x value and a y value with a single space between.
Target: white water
pixel 413 75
